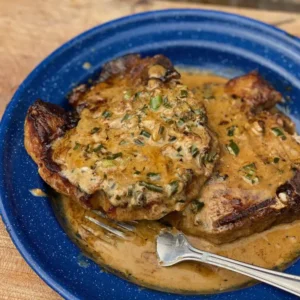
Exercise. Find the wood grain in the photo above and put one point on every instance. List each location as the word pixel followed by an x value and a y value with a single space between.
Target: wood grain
pixel 29 31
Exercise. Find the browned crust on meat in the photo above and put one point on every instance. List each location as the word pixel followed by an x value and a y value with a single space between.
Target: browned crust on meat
pixel 45 122
pixel 244 221
pixel 135 68
pixel 262 216
pixel 254 90
pixel 131 67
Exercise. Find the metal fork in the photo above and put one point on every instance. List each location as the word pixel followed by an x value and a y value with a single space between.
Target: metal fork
pixel 173 248
pixel 116 228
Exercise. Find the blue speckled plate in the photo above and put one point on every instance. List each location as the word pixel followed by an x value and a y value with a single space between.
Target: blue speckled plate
pixel 225 44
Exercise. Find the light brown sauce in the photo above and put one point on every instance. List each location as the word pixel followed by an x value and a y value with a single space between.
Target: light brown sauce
pixel 135 259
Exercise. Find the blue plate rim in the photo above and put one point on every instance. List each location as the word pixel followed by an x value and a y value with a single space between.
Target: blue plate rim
pixel 43 274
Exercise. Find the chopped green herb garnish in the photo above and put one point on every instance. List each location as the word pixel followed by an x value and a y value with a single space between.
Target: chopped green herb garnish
pixel 137 95
pixel 152 187
pixel 130 192
pixel 278 132
pixel 166 102
pixel 196 206
pixel 172 138
pixel 106 114
pixel 144 108
pixel 233 148
pixel 179 149
pixel 139 142
pixel 137 173
pixel 231 130
pixel 250 168
pixel 167 120
pixel 173 187
pixel 180 122
pixel 153 176
pixel 202 115
pixel 114 156
pixel 155 102
pixel 194 151
pixel 98 148
pixel 183 93
pixel 127 95
pixel 87 148
pixel 276 160
pixel 161 130
pixel 199 111
pixel 95 130
pixel 77 146
pixel 145 133
pixel 123 142
pixel 125 118
pixel 209 157
pixel 251 179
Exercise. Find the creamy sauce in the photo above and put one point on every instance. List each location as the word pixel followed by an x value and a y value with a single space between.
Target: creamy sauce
pixel 37 193
pixel 135 258
pixel 138 149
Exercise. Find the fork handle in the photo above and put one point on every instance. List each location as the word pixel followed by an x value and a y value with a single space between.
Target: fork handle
pixel 289 283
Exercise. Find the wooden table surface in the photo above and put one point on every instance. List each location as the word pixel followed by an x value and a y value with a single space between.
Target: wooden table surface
pixel 29 31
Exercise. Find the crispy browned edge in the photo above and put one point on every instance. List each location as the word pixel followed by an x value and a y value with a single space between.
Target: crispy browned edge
pixel 258 95
pixel 133 67
pixel 44 123
pixel 261 216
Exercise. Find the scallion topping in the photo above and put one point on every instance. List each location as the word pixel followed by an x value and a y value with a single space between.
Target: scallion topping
pixel 172 138
pixel 278 132
pixel 123 142
pixel 77 146
pixel 276 160
pixel 125 118
pixel 194 150
pixel 251 168
pixel 233 148
pixel 139 142
pixel 161 130
pixel 196 206
pixel 231 130
pixel 145 133
pixel 153 176
pixel 166 102
pixel 95 130
pixel 127 95
pixel 155 102
pixel 251 179
pixel 106 114
pixel 174 185
pixel 114 156
pixel 180 122
pixel 183 93
pixel 152 187
pixel 98 148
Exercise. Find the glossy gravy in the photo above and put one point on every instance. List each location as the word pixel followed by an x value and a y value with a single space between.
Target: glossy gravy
pixel 135 259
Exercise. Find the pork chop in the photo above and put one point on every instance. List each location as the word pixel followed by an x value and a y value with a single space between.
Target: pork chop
pixel 256 183
pixel 138 148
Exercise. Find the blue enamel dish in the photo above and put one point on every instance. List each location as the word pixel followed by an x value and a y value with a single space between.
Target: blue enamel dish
pixel 225 44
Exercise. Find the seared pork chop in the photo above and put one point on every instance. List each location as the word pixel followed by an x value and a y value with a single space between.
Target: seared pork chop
pixel 256 183
pixel 139 147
